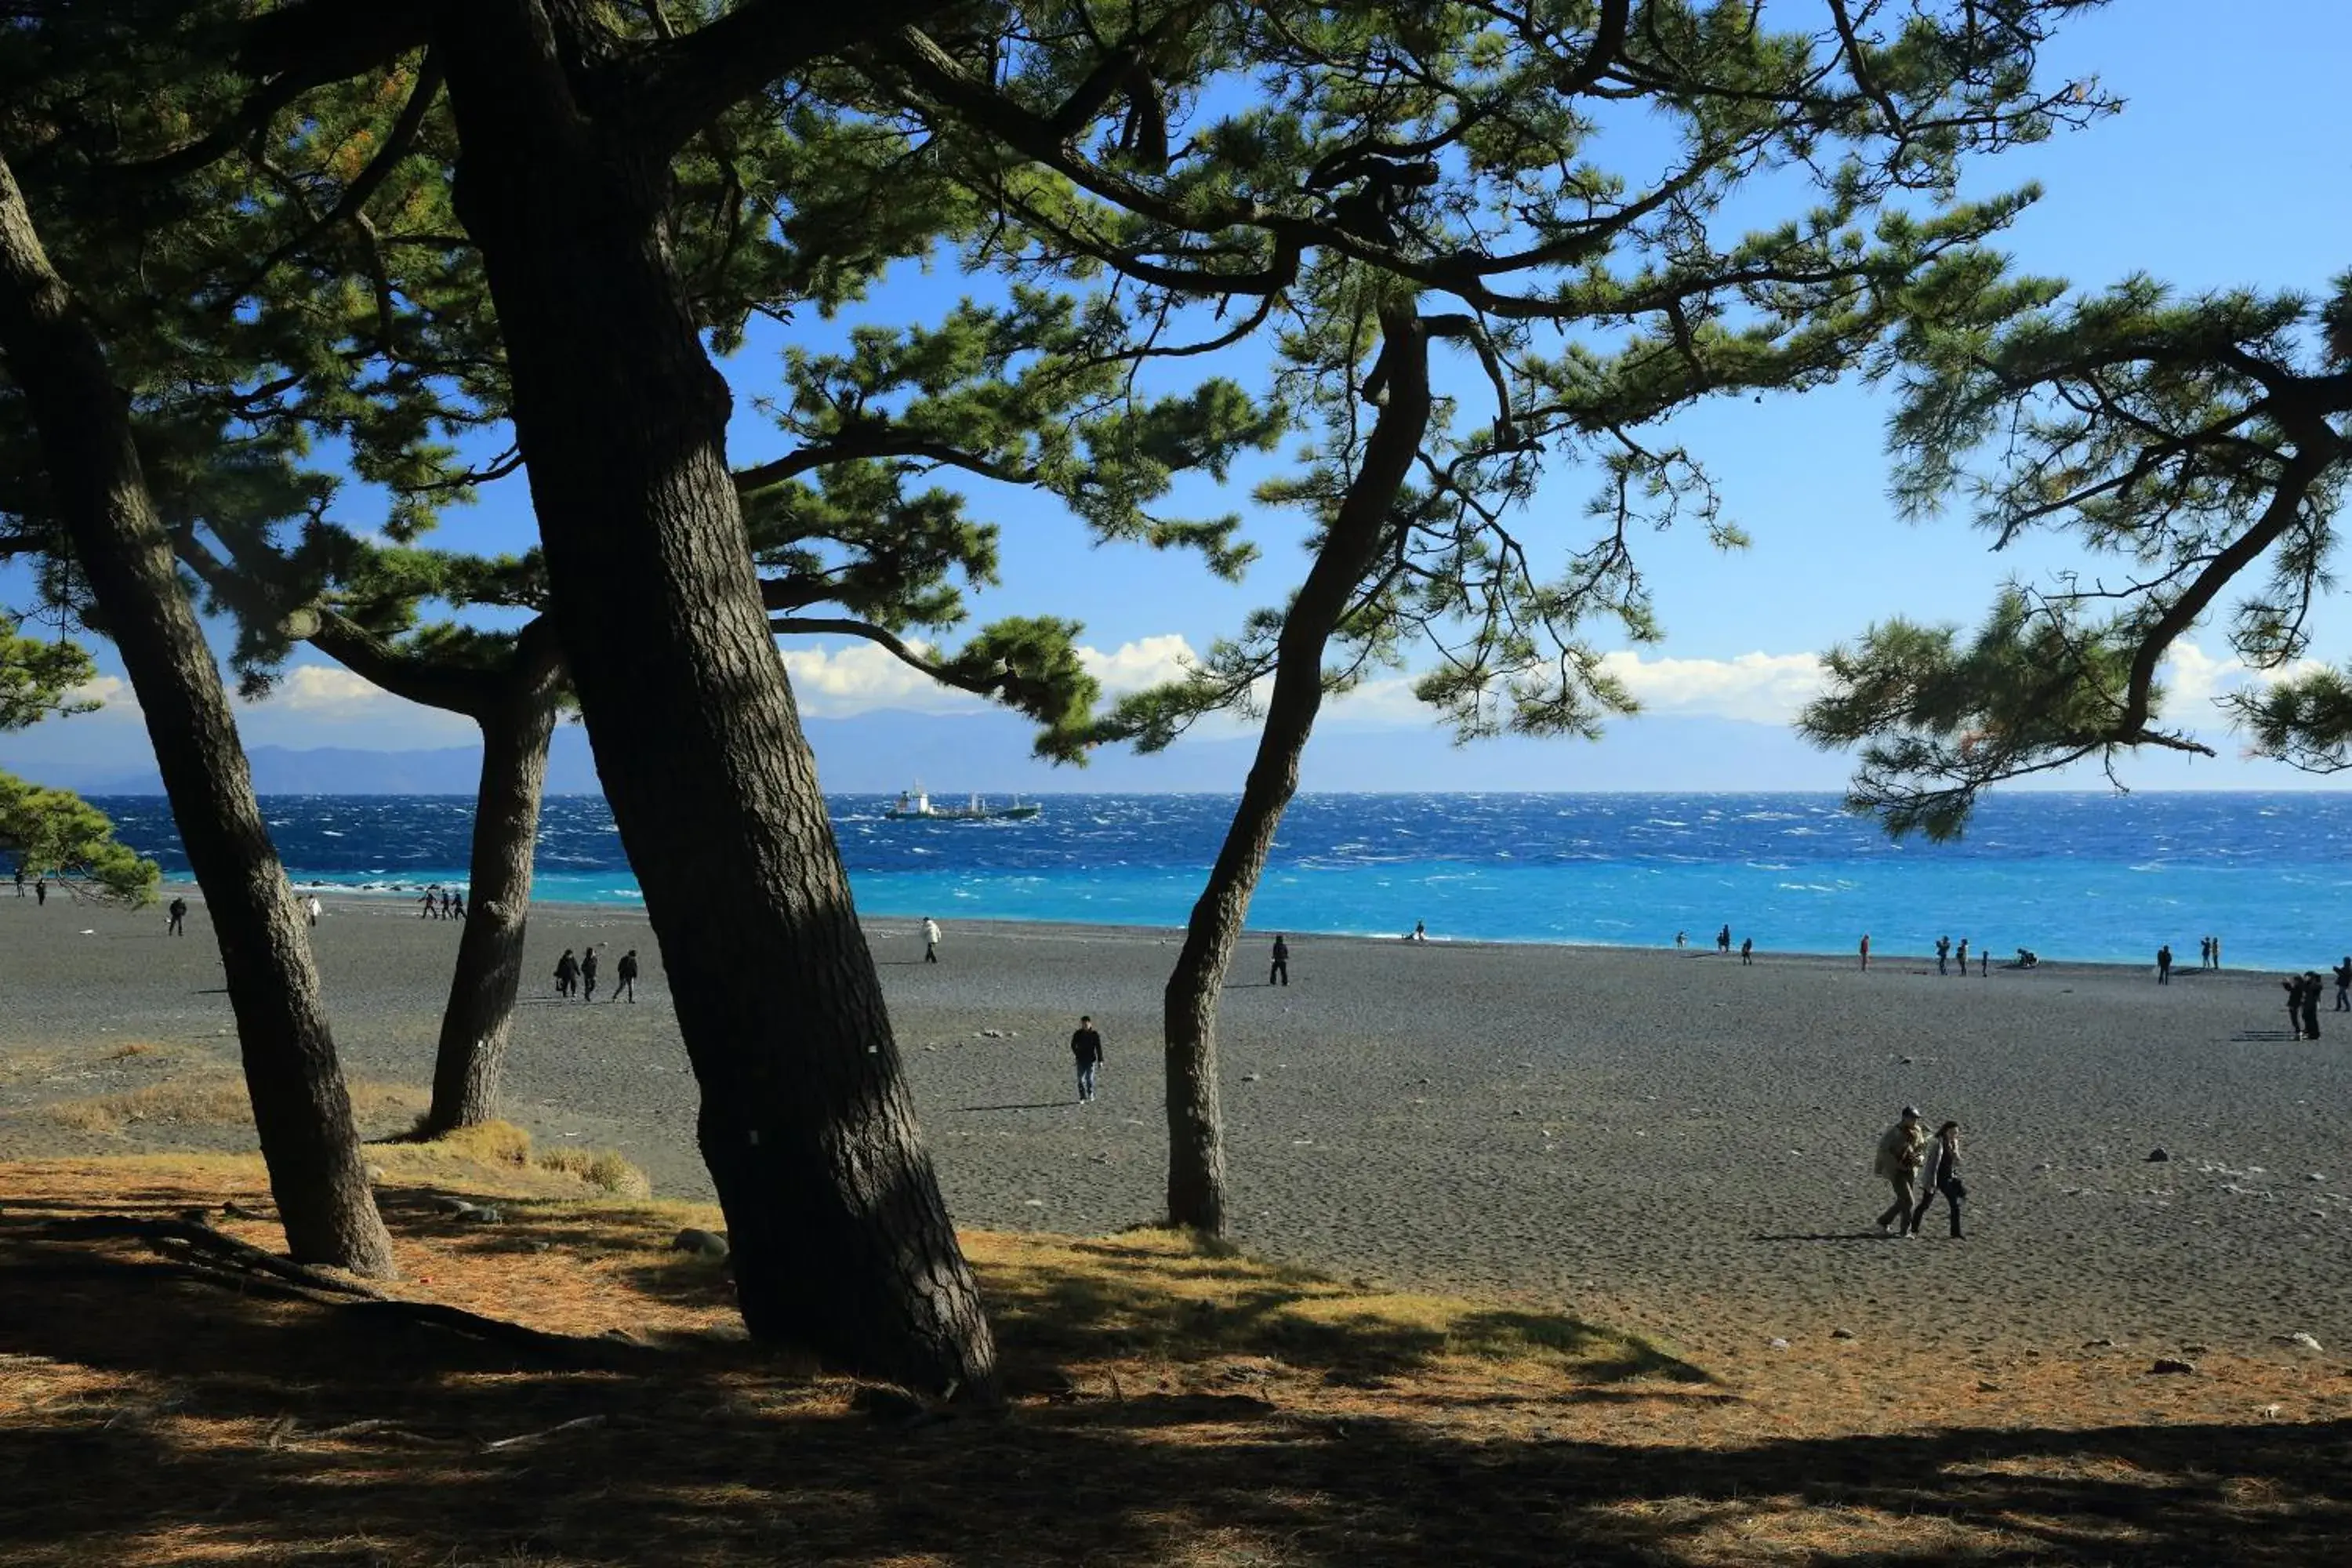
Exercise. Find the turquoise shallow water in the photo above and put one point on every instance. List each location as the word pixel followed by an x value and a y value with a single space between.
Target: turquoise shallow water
pixel 2087 877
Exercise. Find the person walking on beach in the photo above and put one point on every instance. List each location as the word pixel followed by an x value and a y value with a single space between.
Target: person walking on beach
pixel 457 905
pixel 567 973
pixel 625 977
pixel 40 890
pixel 1723 938
pixel 314 908
pixel 1085 1048
pixel 1943 954
pixel 1420 931
pixel 1943 1177
pixel 1964 958
pixel 2311 985
pixel 1747 951
pixel 1900 1150
pixel 1984 964
pixel 1681 938
pixel 1280 973
pixel 177 925
pixel 588 973
pixel 2217 952
pixel 1866 949
pixel 20 881
pixel 930 940
pixel 2344 985
pixel 2164 965
pixel 2204 953
pixel 2292 986
pixel 429 907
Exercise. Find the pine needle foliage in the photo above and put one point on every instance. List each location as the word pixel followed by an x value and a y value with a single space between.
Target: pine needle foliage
pixel 2195 450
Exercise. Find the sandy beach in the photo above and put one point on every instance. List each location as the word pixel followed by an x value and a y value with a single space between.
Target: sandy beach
pixel 1667 1140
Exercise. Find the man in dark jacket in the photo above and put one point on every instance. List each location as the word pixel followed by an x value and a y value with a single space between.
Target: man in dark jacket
pixel 179 922
pixel 588 973
pixel 567 973
pixel 625 977
pixel 1085 1045
pixel 1280 974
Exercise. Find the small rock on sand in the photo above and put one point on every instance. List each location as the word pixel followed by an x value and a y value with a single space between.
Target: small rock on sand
pixel 2172 1364
pixel 1841 1333
pixel 2157 1156
pixel 702 1243
pixel 2299 1340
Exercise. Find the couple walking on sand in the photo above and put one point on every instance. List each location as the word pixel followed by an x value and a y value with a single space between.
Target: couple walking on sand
pixel 1906 1154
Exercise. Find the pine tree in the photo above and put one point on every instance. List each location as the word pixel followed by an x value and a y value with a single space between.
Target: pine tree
pixel 1397 181
pixel 2195 449
pixel 301 1109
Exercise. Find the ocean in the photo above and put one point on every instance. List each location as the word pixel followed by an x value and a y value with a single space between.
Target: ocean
pixel 2072 876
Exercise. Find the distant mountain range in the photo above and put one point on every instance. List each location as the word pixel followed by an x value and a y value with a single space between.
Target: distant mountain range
pixel 882 752
pixel 886 751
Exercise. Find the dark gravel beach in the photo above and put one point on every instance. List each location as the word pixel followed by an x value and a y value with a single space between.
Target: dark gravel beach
pixel 1666 1138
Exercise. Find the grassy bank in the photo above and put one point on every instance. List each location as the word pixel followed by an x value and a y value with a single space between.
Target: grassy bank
pixel 1169 1403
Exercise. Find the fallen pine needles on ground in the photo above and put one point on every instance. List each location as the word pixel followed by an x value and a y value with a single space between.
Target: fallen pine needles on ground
pixel 1167 1403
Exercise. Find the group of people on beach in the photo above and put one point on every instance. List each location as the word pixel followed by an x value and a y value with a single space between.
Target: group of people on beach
pixel 1945 953
pixel 438 905
pixel 2209 956
pixel 2303 998
pixel 577 977
pixel 1919 1166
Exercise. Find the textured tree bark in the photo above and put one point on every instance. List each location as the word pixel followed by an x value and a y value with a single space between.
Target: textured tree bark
pixel 300 1107
pixel 467 1069
pixel 1196 1147
pixel 841 1241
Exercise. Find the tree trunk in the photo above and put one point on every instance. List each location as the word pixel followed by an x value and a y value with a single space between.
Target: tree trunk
pixel 516 728
pixel 841 1241
pixel 299 1105
pixel 1196 1149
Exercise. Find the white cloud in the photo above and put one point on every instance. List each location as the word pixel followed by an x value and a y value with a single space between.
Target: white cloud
pixel 858 677
pixel 833 682
pixel 1760 688
pixel 1133 666
pixel 110 692
pixel 309 699
pixel 324 692
pixel 2191 676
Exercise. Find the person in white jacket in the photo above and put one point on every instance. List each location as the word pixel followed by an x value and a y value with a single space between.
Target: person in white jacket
pixel 930 940
pixel 1901 1152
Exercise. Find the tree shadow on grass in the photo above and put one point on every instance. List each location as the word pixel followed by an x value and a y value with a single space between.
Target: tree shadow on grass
pixel 145 1416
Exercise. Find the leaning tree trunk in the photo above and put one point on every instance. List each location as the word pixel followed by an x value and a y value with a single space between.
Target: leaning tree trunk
pixel 841 1241
pixel 516 728
pixel 300 1108
pixel 1196 1149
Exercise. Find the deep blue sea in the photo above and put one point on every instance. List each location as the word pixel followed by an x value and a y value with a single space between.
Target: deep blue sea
pixel 2090 876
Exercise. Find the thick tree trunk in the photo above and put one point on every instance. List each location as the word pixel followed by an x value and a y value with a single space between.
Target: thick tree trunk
pixel 1196 1149
pixel 515 729
pixel 841 1241
pixel 299 1105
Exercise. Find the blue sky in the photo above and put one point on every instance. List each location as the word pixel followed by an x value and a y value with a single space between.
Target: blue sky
pixel 2228 167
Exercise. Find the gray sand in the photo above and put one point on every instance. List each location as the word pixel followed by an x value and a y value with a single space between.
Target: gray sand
pixel 1668 1138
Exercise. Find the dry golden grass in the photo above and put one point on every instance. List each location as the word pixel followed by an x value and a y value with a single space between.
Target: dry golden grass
pixel 129 1048
pixel 209 1099
pixel 501 1145
pixel 1168 1403
pixel 600 1168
